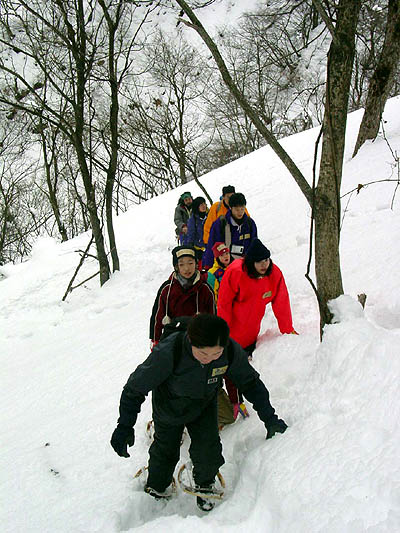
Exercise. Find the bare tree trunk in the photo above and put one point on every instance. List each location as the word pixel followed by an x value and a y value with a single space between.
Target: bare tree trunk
pixel 382 79
pixel 79 52
pixel 4 219
pixel 52 189
pixel 113 121
pixel 327 194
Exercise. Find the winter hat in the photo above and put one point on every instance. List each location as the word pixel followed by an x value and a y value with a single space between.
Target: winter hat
pixel 184 195
pixel 196 204
pixel 219 248
pixel 257 252
pixel 183 251
pixel 227 189
pixel 237 200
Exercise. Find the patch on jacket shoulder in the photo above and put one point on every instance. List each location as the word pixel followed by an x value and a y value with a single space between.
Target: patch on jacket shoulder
pixel 267 294
pixel 219 371
pixel 212 380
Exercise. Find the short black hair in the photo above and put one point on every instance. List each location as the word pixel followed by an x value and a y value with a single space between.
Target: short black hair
pixel 228 189
pixel 248 266
pixel 208 330
pixel 197 203
pixel 237 199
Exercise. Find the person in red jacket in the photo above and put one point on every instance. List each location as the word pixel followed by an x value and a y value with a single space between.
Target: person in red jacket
pixel 248 285
pixel 185 293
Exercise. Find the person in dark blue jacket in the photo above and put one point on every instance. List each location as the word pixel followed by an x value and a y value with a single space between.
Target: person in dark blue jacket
pixel 195 226
pixel 236 229
pixel 184 372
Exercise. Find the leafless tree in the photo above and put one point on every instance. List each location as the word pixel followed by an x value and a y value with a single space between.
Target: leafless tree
pixel 383 77
pixel 60 61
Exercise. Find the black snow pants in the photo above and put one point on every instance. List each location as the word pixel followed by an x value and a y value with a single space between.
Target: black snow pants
pixel 205 449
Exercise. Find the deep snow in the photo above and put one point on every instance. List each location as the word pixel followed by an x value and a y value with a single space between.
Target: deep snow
pixel 336 469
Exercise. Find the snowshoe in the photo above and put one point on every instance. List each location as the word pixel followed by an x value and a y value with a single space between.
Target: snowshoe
pixel 140 472
pixel 166 495
pixel 187 484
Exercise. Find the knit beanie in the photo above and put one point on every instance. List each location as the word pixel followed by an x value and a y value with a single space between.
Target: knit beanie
pixel 257 252
pixel 237 200
pixel 219 248
pixel 183 251
pixel 184 195
pixel 227 189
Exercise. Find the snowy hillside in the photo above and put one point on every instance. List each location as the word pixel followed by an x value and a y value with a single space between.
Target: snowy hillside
pixel 336 469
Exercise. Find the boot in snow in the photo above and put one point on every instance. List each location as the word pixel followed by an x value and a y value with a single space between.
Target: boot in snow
pixel 205 504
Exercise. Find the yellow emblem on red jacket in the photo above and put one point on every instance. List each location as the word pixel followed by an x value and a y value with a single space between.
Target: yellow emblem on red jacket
pixel 219 371
pixel 267 294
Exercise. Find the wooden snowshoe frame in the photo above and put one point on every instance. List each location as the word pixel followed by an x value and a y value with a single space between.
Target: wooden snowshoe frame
pixel 142 470
pixel 186 468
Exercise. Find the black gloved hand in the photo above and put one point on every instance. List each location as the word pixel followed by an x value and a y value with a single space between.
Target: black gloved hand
pixel 122 437
pixel 276 426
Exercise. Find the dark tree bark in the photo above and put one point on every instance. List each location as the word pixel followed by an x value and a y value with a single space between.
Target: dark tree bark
pixel 78 49
pixel 382 79
pixel 50 161
pixel 113 121
pixel 326 210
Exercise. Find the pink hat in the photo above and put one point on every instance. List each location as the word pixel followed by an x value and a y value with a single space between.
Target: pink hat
pixel 219 248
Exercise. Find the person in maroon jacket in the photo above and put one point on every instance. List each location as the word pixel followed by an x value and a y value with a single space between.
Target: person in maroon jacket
pixel 185 293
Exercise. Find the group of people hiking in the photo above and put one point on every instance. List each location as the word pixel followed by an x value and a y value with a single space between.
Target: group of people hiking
pixel 227 221
pixel 223 277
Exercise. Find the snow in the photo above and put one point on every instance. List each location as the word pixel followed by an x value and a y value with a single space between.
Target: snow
pixel 336 469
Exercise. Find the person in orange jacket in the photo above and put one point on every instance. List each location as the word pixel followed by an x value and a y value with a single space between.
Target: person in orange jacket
pixel 248 285
pixel 218 209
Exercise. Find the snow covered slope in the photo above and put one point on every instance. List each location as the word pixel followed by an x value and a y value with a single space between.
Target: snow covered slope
pixel 63 365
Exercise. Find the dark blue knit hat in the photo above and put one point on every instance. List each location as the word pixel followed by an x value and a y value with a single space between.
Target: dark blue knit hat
pixel 257 252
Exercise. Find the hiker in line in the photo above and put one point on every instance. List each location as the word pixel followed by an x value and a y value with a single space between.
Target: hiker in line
pixel 182 213
pixel 247 287
pixel 222 259
pixel 185 293
pixel 231 404
pixel 235 229
pixel 184 394
pixel 195 224
pixel 218 209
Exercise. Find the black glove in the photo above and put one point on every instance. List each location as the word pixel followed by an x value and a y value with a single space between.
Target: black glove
pixel 122 437
pixel 277 426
